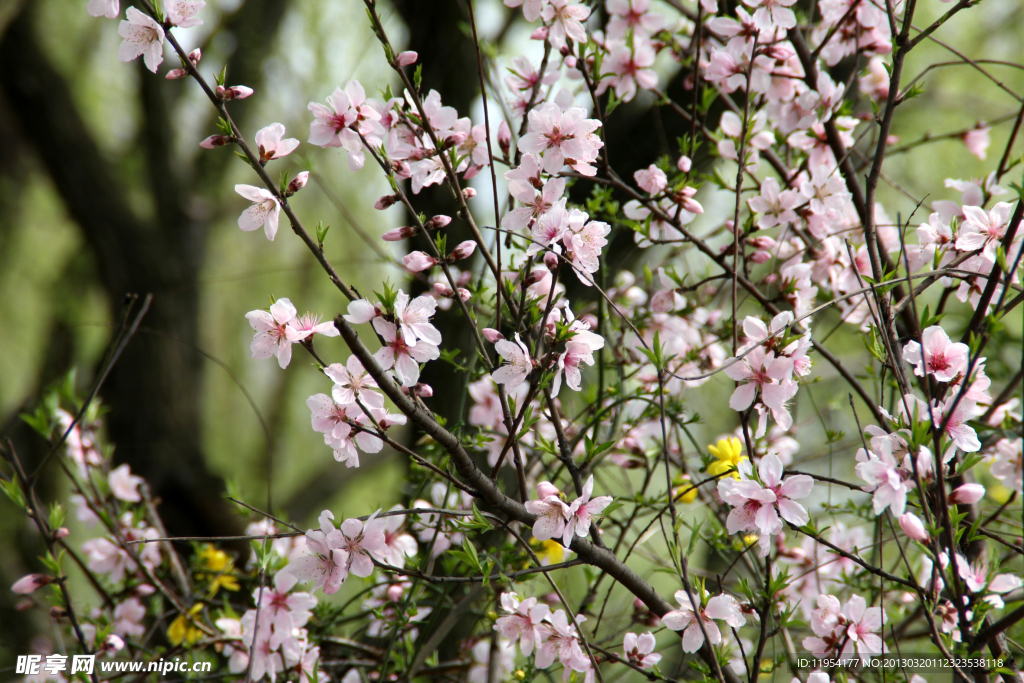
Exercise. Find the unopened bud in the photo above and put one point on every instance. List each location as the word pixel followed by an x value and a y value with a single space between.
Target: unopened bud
pixel 60 533
pixel 419 261
pixel 462 251
pixel 399 234
pixel 760 257
pixel 546 489
pixel 761 242
pixel 443 290
pixel 407 58
pixel 195 56
pixel 176 74
pixel 386 201
pixel 468 192
pixel 57 613
pixel 424 390
pixel 684 164
pixel 913 527
pixel 235 92
pixel 967 494
pixel 492 335
pixel 298 182
pixel 570 62
pixel 540 34
pixel 551 260
pixel 30 583
pixel 215 141
pixel 439 221
pixel 395 592
pixel 504 137
pixel 534 277
pixel 778 52
pixel 464 294
pixel 113 644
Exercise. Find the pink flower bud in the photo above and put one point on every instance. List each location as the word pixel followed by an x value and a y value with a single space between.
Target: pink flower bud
pixel 469 193
pixel 456 138
pixel 778 52
pixel 492 335
pixel 60 533
pixel 113 644
pixel 551 260
pixel 424 390
pixel 691 205
pixel 407 58
pixel 386 201
pixel 176 74
pixel 215 141
pixel 967 494
pixel 30 583
pixel 462 251
pixel 195 56
pixel 913 527
pixel 570 62
pixel 464 294
pixel 399 234
pixel 298 182
pixel 235 92
pixel 395 592
pixel 761 242
pixel 540 34
pixel 443 290
pixel 535 276
pixel 220 91
pixel 418 261
pixel 760 257
pixel 504 137
pixel 684 164
pixel 439 221
pixel 546 488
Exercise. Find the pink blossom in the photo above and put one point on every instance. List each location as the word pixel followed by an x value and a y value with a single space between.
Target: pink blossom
pixel 264 212
pixel 275 332
pixel 524 183
pixel 884 477
pixel 1008 463
pixel 104 8
pixel 565 19
pixel 182 13
pixel 522 621
pixel 721 607
pixel 271 145
pixel 640 650
pixel 560 640
pixel 397 353
pixel 651 179
pixel 984 229
pixel 840 631
pixel 562 137
pixel 124 485
pixel 772 15
pixel 758 507
pixel 128 617
pixel 361 311
pixel 962 434
pixel 875 82
pixel 776 207
pixel 347 116
pixel 518 363
pixel 551 512
pixel 977 141
pixel 352 383
pixel 282 609
pixel 762 373
pixel 940 356
pixel 143 37
pixel 574 355
pixel 413 316
pixel 398 545
pixel 531 8
pixel 628 70
pixel 635 15
pixel 976 576
pixel 325 562
pixel 363 542
pixel 582 511
pixel 310 324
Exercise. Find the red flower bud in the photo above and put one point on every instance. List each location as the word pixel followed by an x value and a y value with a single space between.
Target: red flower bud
pixel 215 141
pixel 399 234
pixel 176 74
pixel 462 251
pixel 386 201
pixel 551 260
pixel 195 56
pixel 504 137
pixel 439 221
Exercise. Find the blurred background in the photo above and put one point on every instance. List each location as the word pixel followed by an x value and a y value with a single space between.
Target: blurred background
pixel 104 192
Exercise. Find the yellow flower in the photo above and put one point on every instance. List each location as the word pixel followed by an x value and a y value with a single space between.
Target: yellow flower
pixel 184 628
pixel 550 551
pixel 684 490
pixel 219 569
pixel 729 454
pixel 746 541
